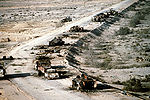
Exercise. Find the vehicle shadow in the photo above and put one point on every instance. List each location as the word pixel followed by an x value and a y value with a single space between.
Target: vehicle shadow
pixel 105 25
pixel 103 86
pixel 9 76
pixel 100 87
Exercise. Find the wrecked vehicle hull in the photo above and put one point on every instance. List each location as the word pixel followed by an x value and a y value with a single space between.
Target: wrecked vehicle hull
pixel 80 83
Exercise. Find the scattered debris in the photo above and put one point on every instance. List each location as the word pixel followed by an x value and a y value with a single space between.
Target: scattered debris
pixel 124 92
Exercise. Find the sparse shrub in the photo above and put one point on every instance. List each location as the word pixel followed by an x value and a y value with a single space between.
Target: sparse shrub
pixel 108 59
pixel 118 82
pixel 143 31
pixel 133 85
pixel 59 24
pixel 134 21
pixel 124 31
pixel 131 66
pixel 146 79
pixel 140 15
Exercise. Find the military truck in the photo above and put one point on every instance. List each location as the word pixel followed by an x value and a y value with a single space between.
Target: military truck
pixel 82 82
pixel 42 62
pixel 43 66
pixel 2 69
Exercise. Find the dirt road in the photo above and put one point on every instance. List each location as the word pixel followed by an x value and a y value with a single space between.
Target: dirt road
pixel 41 89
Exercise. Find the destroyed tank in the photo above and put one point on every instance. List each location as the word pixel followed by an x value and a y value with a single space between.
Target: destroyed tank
pixel 76 29
pixel 67 19
pixel 84 82
pixel 113 12
pixel 57 41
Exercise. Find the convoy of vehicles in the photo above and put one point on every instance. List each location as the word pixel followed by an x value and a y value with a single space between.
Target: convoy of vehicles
pixel 43 63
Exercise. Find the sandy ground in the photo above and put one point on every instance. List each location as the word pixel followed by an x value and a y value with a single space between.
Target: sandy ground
pixel 11 92
pixel 22 21
pixel 38 88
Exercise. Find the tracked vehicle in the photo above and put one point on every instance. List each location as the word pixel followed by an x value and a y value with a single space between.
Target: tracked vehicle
pixel 57 41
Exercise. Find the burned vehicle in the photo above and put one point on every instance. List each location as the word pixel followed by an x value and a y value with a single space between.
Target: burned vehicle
pixel 57 41
pixel 113 12
pixel 100 17
pixel 43 66
pixel 82 82
pixel 2 69
pixel 103 16
pixel 67 19
pixel 76 29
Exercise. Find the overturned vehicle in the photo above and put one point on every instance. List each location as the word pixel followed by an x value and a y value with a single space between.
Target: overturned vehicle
pixel 84 82
pixel 43 66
